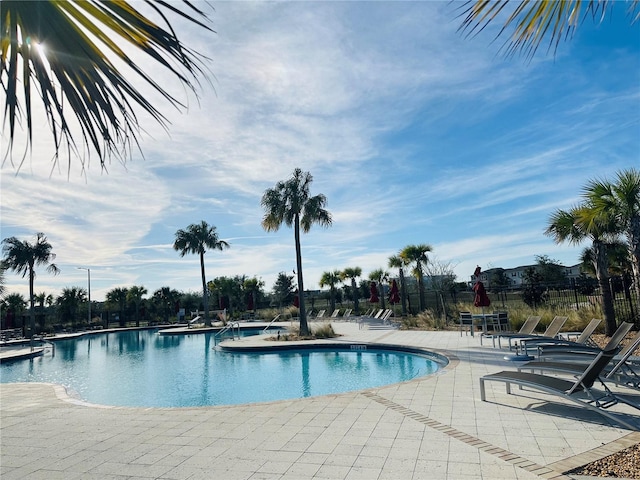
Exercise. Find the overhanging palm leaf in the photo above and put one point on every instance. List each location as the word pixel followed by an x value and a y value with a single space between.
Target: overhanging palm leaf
pixel 65 47
pixel 534 20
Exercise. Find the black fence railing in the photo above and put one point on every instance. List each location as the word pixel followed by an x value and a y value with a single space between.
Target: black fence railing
pixel 561 298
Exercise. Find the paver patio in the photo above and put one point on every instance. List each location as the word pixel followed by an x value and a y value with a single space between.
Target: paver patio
pixel 429 428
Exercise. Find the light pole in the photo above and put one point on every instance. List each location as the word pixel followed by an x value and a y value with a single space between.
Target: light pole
pixel 89 290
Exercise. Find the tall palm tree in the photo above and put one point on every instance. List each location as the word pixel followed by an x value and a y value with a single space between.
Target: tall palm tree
pixel 620 200
pixel 331 279
pixel 395 261
pixel 22 257
pixel 351 273
pixel 134 294
pixel 118 296
pixel 417 255
pixel 291 203
pixel 533 20
pixel 64 50
pixel 380 276
pixel 583 223
pixel 197 238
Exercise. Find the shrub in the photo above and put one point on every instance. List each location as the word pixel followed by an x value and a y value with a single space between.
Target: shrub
pixel 324 331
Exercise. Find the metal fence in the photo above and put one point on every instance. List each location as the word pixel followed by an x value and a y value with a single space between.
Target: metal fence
pixel 562 298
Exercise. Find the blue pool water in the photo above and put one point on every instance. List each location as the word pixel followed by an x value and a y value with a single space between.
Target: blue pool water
pixel 144 369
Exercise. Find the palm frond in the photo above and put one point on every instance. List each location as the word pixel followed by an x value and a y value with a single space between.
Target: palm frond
pixel 66 50
pixel 533 21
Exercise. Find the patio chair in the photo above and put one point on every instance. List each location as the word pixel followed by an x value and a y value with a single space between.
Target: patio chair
pixel 320 314
pixel 574 351
pixel 620 370
pixel 335 313
pixel 466 319
pixel 499 324
pixel 551 332
pixel 527 328
pixel 386 315
pixel 571 390
pixel 584 338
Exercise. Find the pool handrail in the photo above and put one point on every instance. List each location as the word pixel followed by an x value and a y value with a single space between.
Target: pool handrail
pixel 229 326
pixel 264 330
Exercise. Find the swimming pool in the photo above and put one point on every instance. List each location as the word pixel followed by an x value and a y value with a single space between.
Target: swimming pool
pixel 144 369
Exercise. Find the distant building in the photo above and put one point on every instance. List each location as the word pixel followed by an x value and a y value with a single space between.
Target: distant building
pixel 516 275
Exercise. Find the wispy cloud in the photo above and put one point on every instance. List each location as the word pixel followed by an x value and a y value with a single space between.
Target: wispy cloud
pixel 414 133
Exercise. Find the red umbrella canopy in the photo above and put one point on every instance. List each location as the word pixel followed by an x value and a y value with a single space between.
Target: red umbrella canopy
pixel 481 299
pixel 394 294
pixel 477 271
pixel 374 293
pixel 250 305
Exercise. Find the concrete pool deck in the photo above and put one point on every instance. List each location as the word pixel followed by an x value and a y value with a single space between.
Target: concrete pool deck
pixel 434 427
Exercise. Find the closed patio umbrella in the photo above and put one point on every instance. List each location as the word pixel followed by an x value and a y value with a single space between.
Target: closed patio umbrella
pixel 374 293
pixel 481 299
pixel 296 299
pixel 394 294
pixel 250 303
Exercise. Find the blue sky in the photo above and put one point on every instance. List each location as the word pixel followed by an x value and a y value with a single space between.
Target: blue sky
pixel 414 133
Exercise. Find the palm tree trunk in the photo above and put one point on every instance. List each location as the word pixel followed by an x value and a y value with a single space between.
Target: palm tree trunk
pixel 421 287
pixel 381 289
pixel 32 311
pixel 205 297
pixel 403 293
pixel 304 326
pixel 354 294
pixel 602 266
pixel 634 246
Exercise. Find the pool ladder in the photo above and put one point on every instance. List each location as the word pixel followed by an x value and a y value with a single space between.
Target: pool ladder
pixel 234 327
pixel 45 344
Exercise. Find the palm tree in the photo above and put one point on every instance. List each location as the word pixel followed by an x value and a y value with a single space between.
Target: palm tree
pixel 22 257
pixel 535 20
pixel 577 225
pixel 351 273
pixel 395 261
pixel 134 294
pixel 65 50
pixel 43 299
pixel 118 296
pixel 68 302
pixel 289 202
pixel 331 279
pixel 620 200
pixel 417 255
pixel 13 304
pixel 165 298
pixel 380 276
pixel 197 238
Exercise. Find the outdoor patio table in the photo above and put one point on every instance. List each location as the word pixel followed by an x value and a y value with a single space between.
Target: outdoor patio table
pixel 483 317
